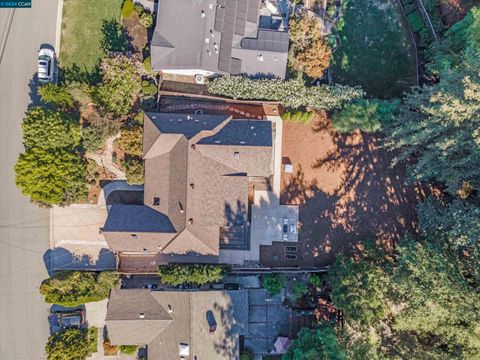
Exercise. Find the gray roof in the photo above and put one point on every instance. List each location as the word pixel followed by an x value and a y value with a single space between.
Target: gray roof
pixel 196 175
pixel 188 322
pixel 208 34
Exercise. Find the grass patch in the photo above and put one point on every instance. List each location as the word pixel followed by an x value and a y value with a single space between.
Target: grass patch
pixel 81 30
pixel 92 340
pixel 376 50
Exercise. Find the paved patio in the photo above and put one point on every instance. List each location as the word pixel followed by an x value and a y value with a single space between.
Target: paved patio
pixel 268 319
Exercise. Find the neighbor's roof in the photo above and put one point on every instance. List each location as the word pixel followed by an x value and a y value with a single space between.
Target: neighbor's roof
pixel 216 36
pixel 188 323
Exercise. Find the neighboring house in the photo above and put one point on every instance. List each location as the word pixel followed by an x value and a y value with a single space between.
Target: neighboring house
pixel 211 37
pixel 200 176
pixel 189 325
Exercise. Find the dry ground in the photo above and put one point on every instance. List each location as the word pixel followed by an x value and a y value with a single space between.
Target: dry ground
pixel 346 191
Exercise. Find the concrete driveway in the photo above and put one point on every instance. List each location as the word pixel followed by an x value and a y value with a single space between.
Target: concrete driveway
pixel 24 228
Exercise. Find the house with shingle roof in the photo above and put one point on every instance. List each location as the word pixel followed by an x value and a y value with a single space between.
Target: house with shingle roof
pixel 211 37
pixel 200 175
pixel 179 324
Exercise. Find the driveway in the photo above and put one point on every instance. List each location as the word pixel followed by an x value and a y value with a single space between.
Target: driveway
pixel 24 228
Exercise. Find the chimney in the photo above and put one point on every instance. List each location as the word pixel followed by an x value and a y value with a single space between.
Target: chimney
pixel 170 310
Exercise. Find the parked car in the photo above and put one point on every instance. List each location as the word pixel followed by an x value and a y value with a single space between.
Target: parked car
pixel 70 319
pixel 46 65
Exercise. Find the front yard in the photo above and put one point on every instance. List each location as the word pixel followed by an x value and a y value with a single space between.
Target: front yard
pixel 376 50
pixel 82 30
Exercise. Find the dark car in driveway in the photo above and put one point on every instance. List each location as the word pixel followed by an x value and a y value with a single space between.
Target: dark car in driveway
pixel 70 319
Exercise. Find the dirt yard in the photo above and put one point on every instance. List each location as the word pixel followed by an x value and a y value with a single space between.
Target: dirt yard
pixel 346 192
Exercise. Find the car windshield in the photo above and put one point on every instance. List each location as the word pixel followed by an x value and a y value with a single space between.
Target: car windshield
pixel 70 320
pixel 42 63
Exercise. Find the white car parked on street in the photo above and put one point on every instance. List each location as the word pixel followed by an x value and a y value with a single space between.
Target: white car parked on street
pixel 46 65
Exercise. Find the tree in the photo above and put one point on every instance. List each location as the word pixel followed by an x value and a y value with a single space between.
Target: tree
pixel 120 86
pixel 437 304
pixel 131 140
pixel 366 115
pixel 51 176
pixel 49 129
pixel 73 288
pixel 453 227
pixel 197 274
pixel 57 96
pixel 273 283
pixel 310 52
pixel 69 344
pixel 359 289
pixel 113 36
pixel 291 93
pixel 316 344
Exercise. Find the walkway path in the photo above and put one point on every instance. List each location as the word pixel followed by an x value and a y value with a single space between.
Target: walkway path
pixel 105 159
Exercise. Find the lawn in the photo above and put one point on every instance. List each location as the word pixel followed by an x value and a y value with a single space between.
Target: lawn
pixel 81 30
pixel 376 50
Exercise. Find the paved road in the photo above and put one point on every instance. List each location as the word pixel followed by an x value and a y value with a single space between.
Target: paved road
pixel 24 229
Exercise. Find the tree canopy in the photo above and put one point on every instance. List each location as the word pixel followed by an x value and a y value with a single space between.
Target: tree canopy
pixel 51 176
pixel 316 344
pixel 73 288
pixel 49 129
pixel 309 50
pixel 120 86
pixel 56 95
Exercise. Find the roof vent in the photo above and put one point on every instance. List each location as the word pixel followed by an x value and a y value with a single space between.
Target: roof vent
pixel 192 186
pixel 210 6
pixel 209 53
pixel 212 34
pixel 179 120
pixel 183 349
pixel 203 13
pixel 170 309
pixel 156 201
pixel 134 236
pixel 207 40
pixel 142 316
pixel 180 206
pixel 193 146
pixel 242 142
pixel 218 142
pixel 190 221
pixel 236 155
pixel 189 117
pixel 252 127
pixel 260 57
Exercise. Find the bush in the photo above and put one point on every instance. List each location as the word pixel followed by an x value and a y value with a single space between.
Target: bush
pixel 291 93
pixel 415 20
pixel 127 9
pixel 71 344
pixel 148 88
pixel 128 349
pixel 147 64
pixel 300 289
pixel 146 19
pixel 134 170
pixel 131 141
pixel 298 116
pixel 91 139
pixel 315 280
pixel 197 274
pixel 273 283
pixel 73 288
pixel 139 9
pixel 57 96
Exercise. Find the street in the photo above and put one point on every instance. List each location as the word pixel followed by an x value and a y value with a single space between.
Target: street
pixel 24 228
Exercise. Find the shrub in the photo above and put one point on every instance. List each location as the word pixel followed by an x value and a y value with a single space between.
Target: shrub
pixel 146 19
pixel 291 93
pixel 109 349
pixel 120 86
pixel 300 289
pixel 198 274
pixel 57 96
pixel 315 280
pixel 73 288
pixel 91 139
pixel 147 64
pixel 134 170
pixel 127 9
pixel 69 344
pixel 415 20
pixel 131 141
pixel 128 349
pixel 298 116
pixel 139 8
pixel 273 283
pixel 148 88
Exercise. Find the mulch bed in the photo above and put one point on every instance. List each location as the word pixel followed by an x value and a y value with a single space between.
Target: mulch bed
pixel 136 33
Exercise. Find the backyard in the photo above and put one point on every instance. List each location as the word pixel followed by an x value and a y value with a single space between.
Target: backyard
pixel 346 191
pixel 376 50
pixel 85 19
